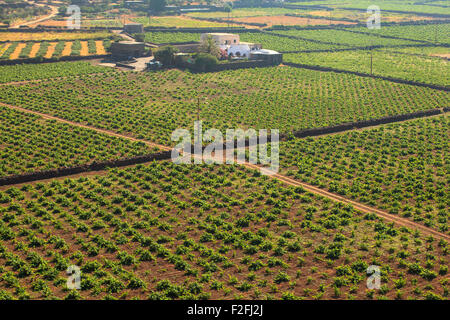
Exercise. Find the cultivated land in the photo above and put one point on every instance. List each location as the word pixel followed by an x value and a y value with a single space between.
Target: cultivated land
pixel 340 203
pixel 30 72
pixel 401 168
pixel 425 69
pixel 30 143
pixel 171 231
pixel 153 105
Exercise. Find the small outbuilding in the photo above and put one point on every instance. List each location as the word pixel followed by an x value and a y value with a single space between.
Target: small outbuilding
pixel 270 56
pixel 133 28
pixel 124 50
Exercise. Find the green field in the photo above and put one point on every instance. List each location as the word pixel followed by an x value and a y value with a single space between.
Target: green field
pixel 51 70
pixel 29 143
pixel 153 105
pixel 426 69
pixel 163 231
pixel 402 168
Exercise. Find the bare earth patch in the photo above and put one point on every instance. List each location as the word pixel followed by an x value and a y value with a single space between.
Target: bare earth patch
pixel 442 55
pixel 100 47
pixel 17 51
pixel 84 48
pixel 67 49
pixel 50 50
pixel 34 49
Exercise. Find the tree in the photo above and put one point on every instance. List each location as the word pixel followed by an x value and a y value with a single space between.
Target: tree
pixel 205 61
pixel 157 5
pixel 166 55
pixel 209 46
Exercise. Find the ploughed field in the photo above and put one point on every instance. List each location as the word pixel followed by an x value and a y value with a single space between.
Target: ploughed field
pixel 173 231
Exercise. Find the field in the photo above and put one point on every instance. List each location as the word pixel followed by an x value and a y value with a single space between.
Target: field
pixel 434 33
pixel 289 20
pixel 51 36
pixel 133 104
pixel 44 71
pixel 426 69
pixel 402 168
pixel 165 231
pixel 370 192
pixel 30 143
pixel 345 37
pixel 178 21
pixel 23 50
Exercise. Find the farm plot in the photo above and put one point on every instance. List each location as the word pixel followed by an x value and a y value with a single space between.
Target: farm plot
pixel 153 105
pixel 51 36
pixel 29 143
pixel 343 37
pixel 434 33
pixel 290 21
pixel 178 22
pixel 23 50
pixel 433 70
pixel 402 168
pixel 50 70
pixel 180 232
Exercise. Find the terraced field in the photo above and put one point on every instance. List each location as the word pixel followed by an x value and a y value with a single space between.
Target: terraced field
pixel 345 37
pixel 165 231
pixel 402 168
pixel 153 105
pixel 426 69
pixel 24 50
pixel 29 143
pixel 29 72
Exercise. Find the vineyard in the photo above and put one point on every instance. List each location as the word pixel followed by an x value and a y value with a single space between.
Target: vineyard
pixel 87 180
pixel 345 37
pixel 46 49
pixel 28 72
pixel 152 105
pixel 29 143
pixel 402 168
pixel 426 69
pixel 166 231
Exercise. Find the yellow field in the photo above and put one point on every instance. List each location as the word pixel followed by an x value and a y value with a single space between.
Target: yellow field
pixel 67 50
pixel 27 36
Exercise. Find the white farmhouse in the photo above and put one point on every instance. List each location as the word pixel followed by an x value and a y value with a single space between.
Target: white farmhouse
pixel 232 44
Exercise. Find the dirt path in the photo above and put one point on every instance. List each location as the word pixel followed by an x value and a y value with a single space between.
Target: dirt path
pixel 359 206
pixel 34 49
pixel 53 13
pixel 17 51
pixel 76 124
pixel 399 221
